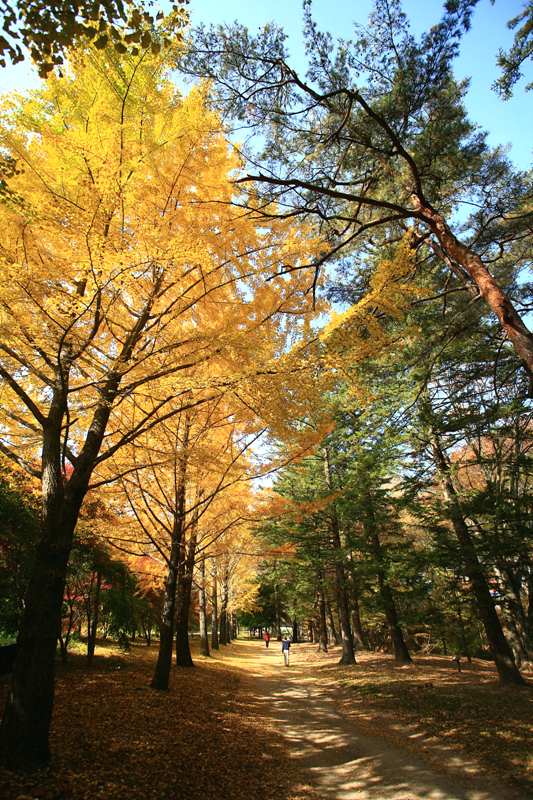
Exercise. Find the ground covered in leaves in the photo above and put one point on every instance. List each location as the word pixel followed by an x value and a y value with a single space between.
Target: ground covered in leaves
pixel 430 706
pixel 114 738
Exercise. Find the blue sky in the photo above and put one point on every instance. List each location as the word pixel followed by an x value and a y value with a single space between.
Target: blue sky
pixel 507 122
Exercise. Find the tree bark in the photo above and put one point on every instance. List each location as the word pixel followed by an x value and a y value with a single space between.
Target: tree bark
pixel 322 628
pixel 214 610
pixel 503 656
pixel 515 618
pixel 222 618
pixel 463 634
pixel 278 614
pixel 166 630
pixel 204 641
pixel 185 575
pixel 91 642
pixel 357 630
pixel 26 722
pixel 332 633
pixel 401 653
pixel 164 658
pixel 28 712
pixel 489 289
pixel 348 655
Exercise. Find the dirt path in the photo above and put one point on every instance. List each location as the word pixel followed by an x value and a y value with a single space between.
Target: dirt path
pixel 341 760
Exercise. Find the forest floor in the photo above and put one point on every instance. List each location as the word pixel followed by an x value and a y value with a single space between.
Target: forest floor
pixel 242 726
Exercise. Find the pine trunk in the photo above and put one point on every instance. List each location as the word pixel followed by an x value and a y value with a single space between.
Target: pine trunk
pixel 357 630
pixel 401 653
pixel 502 654
pixel 332 633
pixel 322 627
pixel 348 655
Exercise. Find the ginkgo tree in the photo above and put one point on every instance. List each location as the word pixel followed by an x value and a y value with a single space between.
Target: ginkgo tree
pixel 181 488
pixel 128 281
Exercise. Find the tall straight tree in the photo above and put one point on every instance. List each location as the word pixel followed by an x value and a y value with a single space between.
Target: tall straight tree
pixel 123 275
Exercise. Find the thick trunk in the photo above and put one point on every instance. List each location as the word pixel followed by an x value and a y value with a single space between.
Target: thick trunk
pixel 166 631
pixel 185 576
pixel 222 618
pixel 357 630
pixel 204 641
pixel 401 653
pixel 332 633
pixel 26 721
pixel 164 658
pixel 310 632
pixel 278 615
pixel 463 635
pixel 529 615
pixel 91 642
pixel 502 306
pixel 348 655
pixel 214 611
pixel 63 648
pixel 322 627
pixel 28 712
pixel 518 616
pixel 503 656
pixel 183 651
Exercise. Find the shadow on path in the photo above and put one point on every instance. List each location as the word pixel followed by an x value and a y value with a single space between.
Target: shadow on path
pixel 344 762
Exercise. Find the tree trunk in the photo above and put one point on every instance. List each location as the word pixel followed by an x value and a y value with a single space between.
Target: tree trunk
pixel 513 602
pixel 185 576
pixel 164 658
pixel 529 616
pixel 214 610
pixel 183 650
pixel 322 628
pixel 463 634
pixel 223 621
pixel 28 712
pixel 348 655
pixel 332 633
pixel 204 641
pixel 489 289
pixel 401 653
pixel 357 630
pixel 503 656
pixel 166 631
pixel 91 642
pixel 278 615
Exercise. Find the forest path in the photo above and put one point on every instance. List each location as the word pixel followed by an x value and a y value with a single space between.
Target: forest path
pixel 339 759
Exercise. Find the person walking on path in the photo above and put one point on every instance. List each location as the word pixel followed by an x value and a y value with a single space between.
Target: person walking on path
pixel 266 637
pixel 285 649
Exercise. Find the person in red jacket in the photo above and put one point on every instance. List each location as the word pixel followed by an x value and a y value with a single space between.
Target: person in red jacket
pixel 266 637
